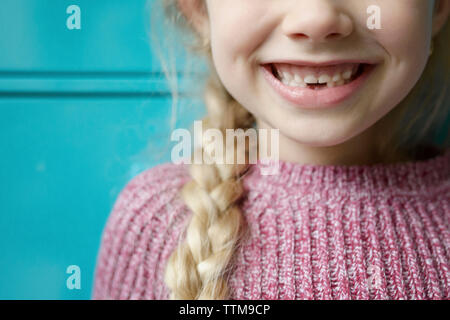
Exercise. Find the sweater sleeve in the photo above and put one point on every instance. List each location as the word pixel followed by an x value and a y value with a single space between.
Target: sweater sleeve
pixel 140 234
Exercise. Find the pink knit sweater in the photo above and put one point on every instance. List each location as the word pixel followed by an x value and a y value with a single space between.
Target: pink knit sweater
pixel 316 232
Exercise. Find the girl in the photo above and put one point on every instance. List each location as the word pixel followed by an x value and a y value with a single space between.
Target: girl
pixel 360 207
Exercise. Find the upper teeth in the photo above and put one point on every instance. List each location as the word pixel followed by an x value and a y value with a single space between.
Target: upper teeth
pixel 290 77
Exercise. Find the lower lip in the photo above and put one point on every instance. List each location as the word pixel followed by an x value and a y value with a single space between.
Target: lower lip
pixel 307 98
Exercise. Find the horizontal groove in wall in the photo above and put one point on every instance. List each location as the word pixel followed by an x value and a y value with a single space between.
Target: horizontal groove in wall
pixel 90 74
pixel 92 95
pixel 91 84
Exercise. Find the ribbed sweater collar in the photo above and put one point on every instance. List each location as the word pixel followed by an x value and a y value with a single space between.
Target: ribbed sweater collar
pixel 413 176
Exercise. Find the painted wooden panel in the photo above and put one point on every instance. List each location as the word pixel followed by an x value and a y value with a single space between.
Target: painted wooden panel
pixel 81 113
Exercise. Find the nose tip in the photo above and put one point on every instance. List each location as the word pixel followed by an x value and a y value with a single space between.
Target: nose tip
pixel 318 25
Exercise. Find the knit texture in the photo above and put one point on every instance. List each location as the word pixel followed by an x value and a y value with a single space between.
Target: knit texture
pixel 313 232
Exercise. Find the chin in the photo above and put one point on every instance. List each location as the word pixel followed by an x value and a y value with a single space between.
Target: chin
pixel 329 138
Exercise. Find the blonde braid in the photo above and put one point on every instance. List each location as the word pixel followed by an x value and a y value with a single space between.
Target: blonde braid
pixel 195 270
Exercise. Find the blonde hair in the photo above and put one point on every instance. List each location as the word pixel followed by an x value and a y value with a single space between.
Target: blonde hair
pixel 197 268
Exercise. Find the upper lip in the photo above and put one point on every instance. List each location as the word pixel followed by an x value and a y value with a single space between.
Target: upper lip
pixel 320 64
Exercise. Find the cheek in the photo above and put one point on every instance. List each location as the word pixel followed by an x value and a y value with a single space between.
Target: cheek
pixel 406 27
pixel 405 37
pixel 236 34
pixel 238 28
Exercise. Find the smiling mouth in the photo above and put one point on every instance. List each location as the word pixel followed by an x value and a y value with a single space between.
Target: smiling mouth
pixel 317 86
pixel 317 78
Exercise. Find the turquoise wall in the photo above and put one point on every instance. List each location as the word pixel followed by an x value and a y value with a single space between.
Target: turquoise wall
pixel 82 112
